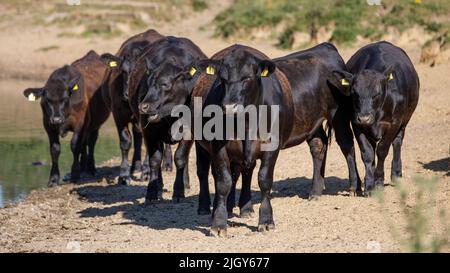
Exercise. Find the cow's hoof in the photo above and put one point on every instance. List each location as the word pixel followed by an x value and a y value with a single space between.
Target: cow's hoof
pixel 313 197
pixel 124 181
pixel 145 176
pixel 230 214
pixel 160 195
pixel 177 199
pixel 379 184
pixel 218 232
pixel 53 181
pixel 150 202
pixel 395 176
pixel 246 212
pixel 368 193
pixel 52 184
pixel 266 227
pixel 203 211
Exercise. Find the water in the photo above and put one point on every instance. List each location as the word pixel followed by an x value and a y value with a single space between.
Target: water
pixel 23 141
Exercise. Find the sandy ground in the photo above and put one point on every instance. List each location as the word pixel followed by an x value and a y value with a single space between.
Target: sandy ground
pixel 102 217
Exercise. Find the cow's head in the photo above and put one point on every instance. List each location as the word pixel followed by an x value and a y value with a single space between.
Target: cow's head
pixel 242 74
pixel 368 91
pixel 125 62
pixel 168 84
pixel 63 89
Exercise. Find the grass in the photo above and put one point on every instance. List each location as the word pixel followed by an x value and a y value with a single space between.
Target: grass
pixel 47 48
pixel 418 209
pixel 199 5
pixel 347 19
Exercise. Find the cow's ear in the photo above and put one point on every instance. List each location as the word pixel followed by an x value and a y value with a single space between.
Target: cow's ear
pixel 389 73
pixel 111 60
pixel 33 93
pixel 190 70
pixel 265 68
pixel 343 81
pixel 211 67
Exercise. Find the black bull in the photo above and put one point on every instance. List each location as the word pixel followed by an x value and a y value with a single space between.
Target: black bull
pixel 159 68
pixel 385 91
pixel 307 92
pixel 114 92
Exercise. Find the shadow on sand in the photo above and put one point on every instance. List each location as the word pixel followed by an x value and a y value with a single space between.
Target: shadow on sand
pixel 440 165
pixel 166 215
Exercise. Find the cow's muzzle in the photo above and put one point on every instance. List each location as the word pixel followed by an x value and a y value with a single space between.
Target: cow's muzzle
pixel 56 120
pixel 365 119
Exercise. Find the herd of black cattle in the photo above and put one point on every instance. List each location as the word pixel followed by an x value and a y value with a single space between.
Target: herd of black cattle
pixel 371 98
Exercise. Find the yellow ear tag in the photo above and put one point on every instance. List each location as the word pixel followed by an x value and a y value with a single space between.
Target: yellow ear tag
pixel 265 72
pixel 390 77
pixel 344 82
pixel 210 70
pixel 31 97
pixel 112 64
pixel 75 88
pixel 192 71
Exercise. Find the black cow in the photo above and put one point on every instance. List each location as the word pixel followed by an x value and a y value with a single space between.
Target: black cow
pixel 385 90
pixel 69 102
pixel 115 93
pixel 159 74
pixel 308 93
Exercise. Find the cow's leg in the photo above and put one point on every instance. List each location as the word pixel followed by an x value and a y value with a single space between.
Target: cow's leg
pixel 265 181
pixel 136 164
pixel 76 145
pixel 55 150
pixel 145 169
pixel 92 140
pixel 84 159
pixel 203 164
pixel 367 148
pixel 396 170
pixel 318 148
pixel 344 138
pixel 125 145
pixel 245 199
pixel 382 151
pixel 181 162
pixel 223 186
pixel 231 201
pixel 154 188
pixel 167 158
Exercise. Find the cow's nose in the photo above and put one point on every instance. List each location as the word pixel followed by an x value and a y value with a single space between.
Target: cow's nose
pixel 364 119
pixel 56 120
pixel 144 107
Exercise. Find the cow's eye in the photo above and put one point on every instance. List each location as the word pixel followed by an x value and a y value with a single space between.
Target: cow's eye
pixel 165 86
